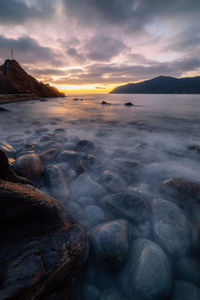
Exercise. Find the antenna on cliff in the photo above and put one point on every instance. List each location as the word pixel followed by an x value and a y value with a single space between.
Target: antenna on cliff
pixel 12 53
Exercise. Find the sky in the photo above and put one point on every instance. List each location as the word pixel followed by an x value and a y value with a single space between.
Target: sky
pixel 94 45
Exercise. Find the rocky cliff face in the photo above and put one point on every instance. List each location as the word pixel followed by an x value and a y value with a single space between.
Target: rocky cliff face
pixel 14 80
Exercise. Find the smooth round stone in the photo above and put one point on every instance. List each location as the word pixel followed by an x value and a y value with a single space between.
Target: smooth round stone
pixel 85 201
pixel 28 165
pixel 88 163
pixel 41 130
pixel 140 230
pixel 90 292
pixel 147 274
pixel 83 185
pixel 112 182
pixel 126 205
pixel 47 137
pixel 49 144
pixel 74 209
pixel 70 156
pixel 110 243
pixel 185 291
pixel 8 149
pixel 16 139
pixel 57 183
pixel 84 146
pixel 94 215
pixel 48 154
pixel 112 294
pixel 171 228
pixel 188 269
pixel 141 190
pixel 68 146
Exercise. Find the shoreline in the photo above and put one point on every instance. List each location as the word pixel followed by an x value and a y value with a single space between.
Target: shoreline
pixel 11 98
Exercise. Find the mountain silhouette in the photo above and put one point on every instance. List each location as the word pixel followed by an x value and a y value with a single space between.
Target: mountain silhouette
pixel 14 80
pixel 161 85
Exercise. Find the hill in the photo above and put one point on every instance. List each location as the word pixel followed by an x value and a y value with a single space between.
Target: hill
pixel 14 80
pixel 161 85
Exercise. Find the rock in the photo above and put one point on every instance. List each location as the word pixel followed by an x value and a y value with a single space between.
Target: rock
pixel 49 154
pixel 127 168
pixel 31 147
pixel 142 190
pixel 128 104
pixel 42 248
pixel 89 163
pixel 47 137
pixel 112 182
pixel 84 146
pixel 74 209
pixel 105 103
pixel 16 139
pixel 6 173
pixel 8 149
pixel 70 156
pixel 147 274
pixel 126 205
pixel 90 292
pixel 3 109
pixel 195 148
pixel 182 189
pixel 83 185
pixel 68 146
pixel 94 215
pixel 171 229
pixel 110 242
pixel 185 291
pixel 85 201
pixel 28 165
pixel 57 183
pixel 49 144
pixel 188 269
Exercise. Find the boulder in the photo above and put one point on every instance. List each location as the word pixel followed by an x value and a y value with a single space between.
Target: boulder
pixel 181 189
pixel 94 215
pixel 112 182
pixel 171 229
pixel 8 149
pixel 126 205
pixel 110 243
pixel 70 156
pixel 28 165
pixel 42 247
pixel 147 274
pixel 185 291
pixel 83 185
pixel 128 104
pixel 48 154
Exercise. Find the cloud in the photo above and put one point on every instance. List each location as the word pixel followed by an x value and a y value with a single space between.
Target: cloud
pixel 27 50
pixel 19 11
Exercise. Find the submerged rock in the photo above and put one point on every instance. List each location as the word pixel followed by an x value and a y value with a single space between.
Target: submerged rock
pixel 171 228
pixel 182 189
pixel 112 182
pixel 42 248
pixel 126 205
pixel 84 146
pixel 110 242
pixel 28 165
pixel 128 104
pixel 188 269
pixel 94 215
pixel 185 291
pixel 127 168
pixel 147 274
pixel 48 154
pixel 70 156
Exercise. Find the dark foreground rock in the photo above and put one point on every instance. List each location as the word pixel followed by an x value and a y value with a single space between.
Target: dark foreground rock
pixel 42 248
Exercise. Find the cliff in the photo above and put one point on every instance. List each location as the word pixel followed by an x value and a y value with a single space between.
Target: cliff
pixel 14 80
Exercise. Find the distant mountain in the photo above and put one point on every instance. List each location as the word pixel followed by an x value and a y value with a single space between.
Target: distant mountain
pixel 14 80
pixel 162 85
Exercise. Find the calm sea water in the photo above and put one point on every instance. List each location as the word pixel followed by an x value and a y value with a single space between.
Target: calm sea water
pixel 157 131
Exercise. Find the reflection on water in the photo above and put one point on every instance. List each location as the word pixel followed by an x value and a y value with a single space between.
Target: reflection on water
pixel 135 149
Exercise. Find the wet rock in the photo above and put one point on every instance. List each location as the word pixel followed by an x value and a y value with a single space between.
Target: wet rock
pixel 6 172
pixel 31 147
pixel 85 201
pixel 84 146
pixel 185 291
pixel 49 144
pixel 70 156
pixel 8 149
pixel 74 209
pixel 128 104
pixel 57 183
pixel 42 248
pixel 194 148
pixel 49 154
pixel 127 168
pixel 16 140
pixel 142 190
pixel 90 292
pixel 112 182
pixel 41 130
pixel 126 205
pixel 94 215
pixel 171 228
pixel 3 109
pixel 105 103
pixel 182 189
pixel 188 269
pixel 110 242
pixel 83 185
pixel 47 137
pixel 147 274
pixel 89 163
pixel 28 165
pixel 68 146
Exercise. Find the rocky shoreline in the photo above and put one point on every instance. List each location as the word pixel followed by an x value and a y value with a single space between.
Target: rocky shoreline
pixel 143 246
pixel 11 98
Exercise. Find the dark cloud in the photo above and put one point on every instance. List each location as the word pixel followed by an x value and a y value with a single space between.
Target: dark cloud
pixel 27 50
pixel 19 11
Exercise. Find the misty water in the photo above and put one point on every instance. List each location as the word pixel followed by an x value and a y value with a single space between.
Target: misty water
pixel 132 151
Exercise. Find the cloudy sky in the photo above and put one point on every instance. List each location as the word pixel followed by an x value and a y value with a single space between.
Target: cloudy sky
pixel 94 45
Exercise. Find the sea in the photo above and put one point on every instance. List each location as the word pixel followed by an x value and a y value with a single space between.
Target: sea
pixel 142 145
